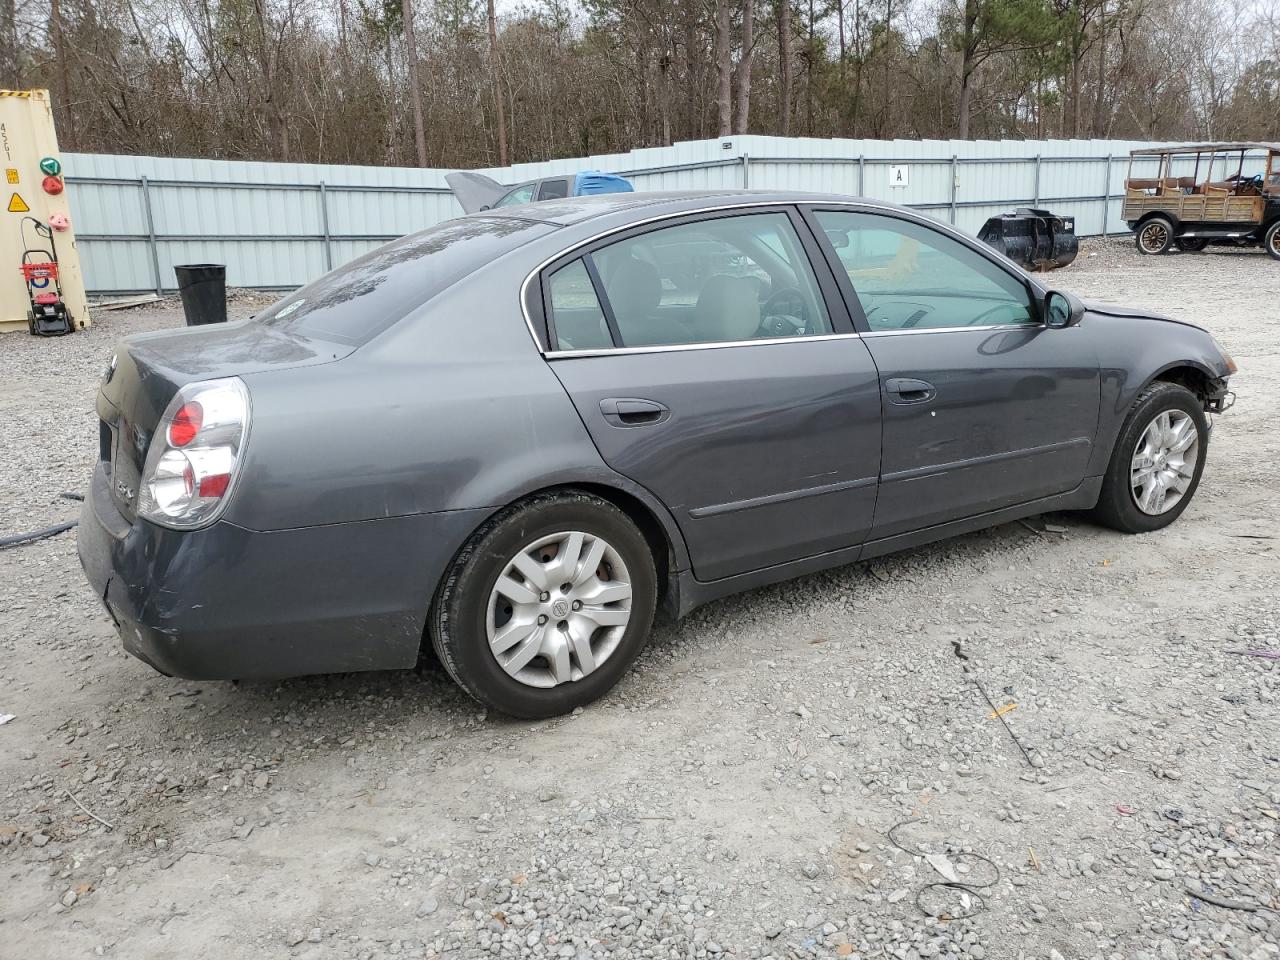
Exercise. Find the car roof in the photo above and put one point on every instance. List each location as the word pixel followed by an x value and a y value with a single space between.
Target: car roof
pixel 572 210
pixel 1205 148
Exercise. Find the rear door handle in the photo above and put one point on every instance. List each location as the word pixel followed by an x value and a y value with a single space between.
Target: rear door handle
pixel 633 412
pixel 906 390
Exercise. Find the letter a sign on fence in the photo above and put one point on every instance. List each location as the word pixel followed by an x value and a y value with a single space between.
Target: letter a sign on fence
pixel 899 176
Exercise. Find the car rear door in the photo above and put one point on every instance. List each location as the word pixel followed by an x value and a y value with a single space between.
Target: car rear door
pixel 715 366
pixel 984 406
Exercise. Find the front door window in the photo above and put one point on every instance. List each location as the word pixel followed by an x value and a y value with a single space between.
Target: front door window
pixel 910 277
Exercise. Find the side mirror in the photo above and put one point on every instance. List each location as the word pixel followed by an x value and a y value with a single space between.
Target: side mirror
pixel 1062 310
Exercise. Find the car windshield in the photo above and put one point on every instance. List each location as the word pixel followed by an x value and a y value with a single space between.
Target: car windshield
pixel 358 301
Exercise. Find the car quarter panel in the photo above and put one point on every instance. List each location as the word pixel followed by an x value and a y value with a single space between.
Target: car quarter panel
pixel 226 602
pixel 1133 350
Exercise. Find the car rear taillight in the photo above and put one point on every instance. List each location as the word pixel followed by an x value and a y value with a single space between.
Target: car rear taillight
pixel 186 424
pixel 195 454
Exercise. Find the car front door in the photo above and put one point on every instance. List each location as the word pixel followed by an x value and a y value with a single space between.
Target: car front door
pixel 984 406
pixel 715 366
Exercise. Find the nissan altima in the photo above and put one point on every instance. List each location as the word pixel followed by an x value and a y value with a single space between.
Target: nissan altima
pixel 519 435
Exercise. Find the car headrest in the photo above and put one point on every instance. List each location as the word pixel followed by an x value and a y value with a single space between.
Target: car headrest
pixel 728 308
pixel 635 290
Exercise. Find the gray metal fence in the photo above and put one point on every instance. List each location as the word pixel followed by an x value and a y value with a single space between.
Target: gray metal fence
pixel 277 226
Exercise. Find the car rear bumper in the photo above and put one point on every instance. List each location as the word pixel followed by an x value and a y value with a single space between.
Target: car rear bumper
pixel 227 603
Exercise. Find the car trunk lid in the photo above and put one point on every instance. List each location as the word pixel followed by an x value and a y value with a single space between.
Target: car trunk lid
pixel 149 369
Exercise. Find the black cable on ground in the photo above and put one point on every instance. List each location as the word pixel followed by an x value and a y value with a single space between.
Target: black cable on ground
pixel 17 538
pixel 68 495
pixel 975 890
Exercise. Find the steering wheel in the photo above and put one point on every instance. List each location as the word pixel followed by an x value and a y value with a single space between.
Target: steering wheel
pixel 785 313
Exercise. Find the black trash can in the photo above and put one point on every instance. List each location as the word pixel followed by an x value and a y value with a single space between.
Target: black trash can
pixel 204 292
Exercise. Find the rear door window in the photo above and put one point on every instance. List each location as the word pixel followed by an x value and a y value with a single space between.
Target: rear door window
pixel 719 280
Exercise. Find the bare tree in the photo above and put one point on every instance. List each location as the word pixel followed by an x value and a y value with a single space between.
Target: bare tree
pixel 415 84
pixel 783 13
pixel 743 71
pixel 724 68
pixel 311 80
pixel 8 44
pixel 58 35
pixel 499 112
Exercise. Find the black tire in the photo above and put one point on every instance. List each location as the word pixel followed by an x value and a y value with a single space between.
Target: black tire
pixel 1191 244
pixel 456 623
pixel 1116 507
pixel 1154 236
pixel 1272 240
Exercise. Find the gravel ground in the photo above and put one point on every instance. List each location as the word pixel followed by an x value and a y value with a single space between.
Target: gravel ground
pixel 737 795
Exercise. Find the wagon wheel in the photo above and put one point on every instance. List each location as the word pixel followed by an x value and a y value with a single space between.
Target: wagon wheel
pixel 1155 236
pixel 1272 241
pixel 1191 244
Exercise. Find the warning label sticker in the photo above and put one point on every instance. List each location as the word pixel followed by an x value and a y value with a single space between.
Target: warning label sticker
pixel 18 205
pixel 11 174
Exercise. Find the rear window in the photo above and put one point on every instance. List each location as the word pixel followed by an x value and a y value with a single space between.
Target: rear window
pixel 358 301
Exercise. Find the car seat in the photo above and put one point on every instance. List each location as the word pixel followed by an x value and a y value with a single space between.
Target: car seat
pixel 635 290
pixel 728 309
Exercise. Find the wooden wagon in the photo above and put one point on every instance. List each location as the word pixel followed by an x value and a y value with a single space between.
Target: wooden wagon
pixel 1192 210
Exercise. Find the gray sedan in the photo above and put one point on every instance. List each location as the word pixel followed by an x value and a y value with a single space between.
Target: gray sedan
pixel 517 436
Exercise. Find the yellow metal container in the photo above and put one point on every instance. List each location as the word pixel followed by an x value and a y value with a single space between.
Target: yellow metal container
pixel 26 138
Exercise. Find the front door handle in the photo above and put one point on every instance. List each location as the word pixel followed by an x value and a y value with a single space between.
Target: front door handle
pixel 633 412
pixel 906 390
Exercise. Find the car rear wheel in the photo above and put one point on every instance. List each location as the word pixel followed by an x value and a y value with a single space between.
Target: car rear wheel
pixel 1154 236
pixel 1272 240
pixel 546 606
pixel 1191 244
pixel 1157 461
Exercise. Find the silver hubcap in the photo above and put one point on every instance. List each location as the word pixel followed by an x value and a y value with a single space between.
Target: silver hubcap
pixel 559 609
pixel 1154 237
pixel 1164 462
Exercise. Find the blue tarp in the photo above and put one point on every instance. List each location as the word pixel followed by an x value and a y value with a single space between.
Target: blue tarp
pixel 593 181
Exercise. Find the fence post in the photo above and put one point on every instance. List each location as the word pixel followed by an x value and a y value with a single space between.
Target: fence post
pixel 1036 202
pixel 1106 196
pixel 746 172
pixel 151 236
pixel 862 174
pixel 324 226
pixel 955 185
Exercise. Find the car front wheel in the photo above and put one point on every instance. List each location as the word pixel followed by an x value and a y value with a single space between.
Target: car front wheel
pixel 1155 236
pixel 546 606
pixel 1157 461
